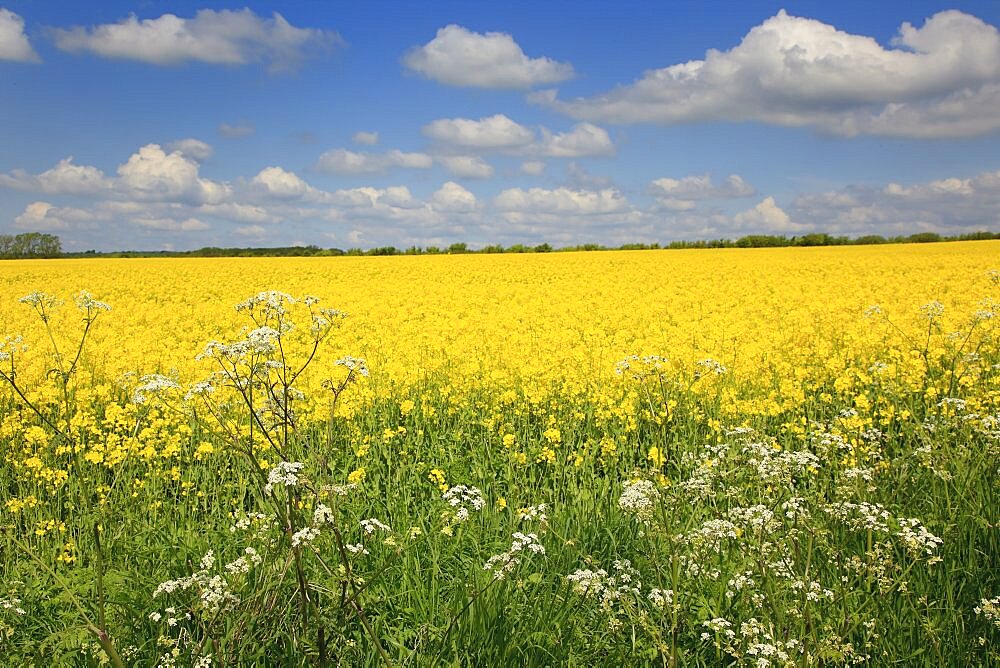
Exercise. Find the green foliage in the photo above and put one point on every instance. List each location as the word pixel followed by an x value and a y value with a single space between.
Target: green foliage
pixel 30 244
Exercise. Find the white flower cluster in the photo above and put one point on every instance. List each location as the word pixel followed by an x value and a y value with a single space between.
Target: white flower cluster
pixel 285 474
pixel 322 515
pixel 533 513
pixel 243 564
pixel 372 525
pixel 244 521
pixel 10 346
pixel 988 608
pixel 271 302
pixel 608 589
pixel 916 537
pixel 153 384
pixel 202 387
pixel 213 590
pixel 13 604
pixel 932 310
pixel 641 367
pixel 354 364
pixel 304 536
pixel 323 319
pixel 709 366
pixel 860 516
pixel 639 497
pixel 40 300
pixel 503 563
pixel 661 598
pixel 86 302
pixel 464 499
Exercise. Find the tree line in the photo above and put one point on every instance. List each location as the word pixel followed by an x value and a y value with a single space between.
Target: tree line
pixel 30 244
pixel 35 244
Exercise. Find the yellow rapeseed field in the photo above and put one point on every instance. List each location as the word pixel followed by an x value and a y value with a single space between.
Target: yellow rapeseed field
pixel 526 321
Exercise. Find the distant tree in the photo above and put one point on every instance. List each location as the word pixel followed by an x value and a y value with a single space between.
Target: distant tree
pixel 492 248
pixel 30 244
pixel 543 248
pixel 458 248
pixel 924 238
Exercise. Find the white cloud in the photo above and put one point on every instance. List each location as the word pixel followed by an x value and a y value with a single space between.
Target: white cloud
pixel 194 149
pixel 467 166
pixel 65 178
pixel 152 174
pixel 14 44
pixel 366 138
pixel 398 197
pixel 500 133
pixel 252 231
pixel 219 37
pixel 491 133
pixel 942 79
pixel 282 184
pixel 460 57
pixel 584 139
pixel 239 212
pixel 343 161
pixel 561 201
pixel 43 216
pixel 682 194
pixel 533 167
pixel 236 131
pixel 766 218
pixel 947 206
pixel 170 224
pixel 454 198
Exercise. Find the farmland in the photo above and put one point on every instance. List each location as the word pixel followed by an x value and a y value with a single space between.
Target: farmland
pixel 696 457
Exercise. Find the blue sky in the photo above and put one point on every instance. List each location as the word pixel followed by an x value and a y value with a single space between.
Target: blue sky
pixel 150 125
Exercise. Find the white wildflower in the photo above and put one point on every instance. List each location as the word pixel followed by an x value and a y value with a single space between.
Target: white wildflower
pixel 304 536
pixel 284 474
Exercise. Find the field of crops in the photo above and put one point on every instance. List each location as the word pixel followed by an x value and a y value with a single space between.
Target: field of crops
pixel 765 457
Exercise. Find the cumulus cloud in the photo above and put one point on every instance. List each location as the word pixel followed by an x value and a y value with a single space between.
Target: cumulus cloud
pixel 170 224
pixel 65 178
pixel 584 139
pixel 941 79
pixel 343 161
pixel 500 133
pixel 682 194
pixel 561 201
pixel 222 37
pixel 467 166
pixel 490 133
pixel 366 138
pixel 153 174
pixel 14 44
pixel 454 198
pixel 459 57
pixel 767 218
pixel 45 217
pixel 194 149
pixel 236 131
pixel 947 206
pixel 282 184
